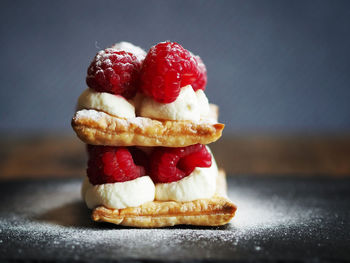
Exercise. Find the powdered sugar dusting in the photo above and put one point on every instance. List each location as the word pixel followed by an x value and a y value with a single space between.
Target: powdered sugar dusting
pixel 50 217
pixel 256 213
pixel 103 57
pixel 97 115
pixel 141 121
pixel 90 114
pixel 128 47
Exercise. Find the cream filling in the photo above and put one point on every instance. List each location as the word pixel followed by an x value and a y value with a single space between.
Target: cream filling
pixel 200 184
pixel 189 105
pixel 113 104
pixel 119 195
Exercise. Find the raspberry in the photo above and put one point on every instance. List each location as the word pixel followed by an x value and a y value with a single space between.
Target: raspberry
pixel 140 158
pixel 114 72
pixel 166 68
pixel 128 47
pixel 201 81
pixel 172 164
pixel 111 164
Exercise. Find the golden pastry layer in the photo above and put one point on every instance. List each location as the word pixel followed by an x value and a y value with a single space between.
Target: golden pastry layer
pixel 215 211
pixel 99 128
pixel 205 212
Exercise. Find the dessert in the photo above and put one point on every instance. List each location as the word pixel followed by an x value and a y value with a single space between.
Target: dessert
pixel 146 121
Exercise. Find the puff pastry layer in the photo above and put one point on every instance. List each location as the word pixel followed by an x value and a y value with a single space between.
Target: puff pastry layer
pixel 215 211
pixel 99 128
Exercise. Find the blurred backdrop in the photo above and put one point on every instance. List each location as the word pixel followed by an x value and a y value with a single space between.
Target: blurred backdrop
pixel 273 66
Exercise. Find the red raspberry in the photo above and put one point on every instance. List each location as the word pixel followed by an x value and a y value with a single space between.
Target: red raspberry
pixel 140 158
pixel 111 164
pixel 166 68
pixel 114 72
pixel 172 164
pixel 201 81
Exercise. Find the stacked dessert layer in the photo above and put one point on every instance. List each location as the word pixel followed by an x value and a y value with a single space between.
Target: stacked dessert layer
pixel 146 121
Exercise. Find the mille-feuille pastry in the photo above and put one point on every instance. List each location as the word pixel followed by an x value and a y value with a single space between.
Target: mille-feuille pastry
pixel 147 121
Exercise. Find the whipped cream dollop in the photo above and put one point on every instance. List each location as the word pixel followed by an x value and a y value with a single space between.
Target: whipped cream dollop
pixel 201 183
pixel 115 105
pixel 189 105
pixel 119 195
pixel 128 47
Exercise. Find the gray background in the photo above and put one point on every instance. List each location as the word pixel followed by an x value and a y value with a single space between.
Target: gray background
pixel 273 66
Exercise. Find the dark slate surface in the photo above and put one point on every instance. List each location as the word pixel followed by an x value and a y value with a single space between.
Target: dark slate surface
pixel 278 219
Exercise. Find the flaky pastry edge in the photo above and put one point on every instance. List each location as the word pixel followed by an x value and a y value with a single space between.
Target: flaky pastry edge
pixel 100 128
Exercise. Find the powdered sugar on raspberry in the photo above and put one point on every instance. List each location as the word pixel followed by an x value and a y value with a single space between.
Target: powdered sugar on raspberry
pixel 128 47
pixel 103 56
pixel 115 72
